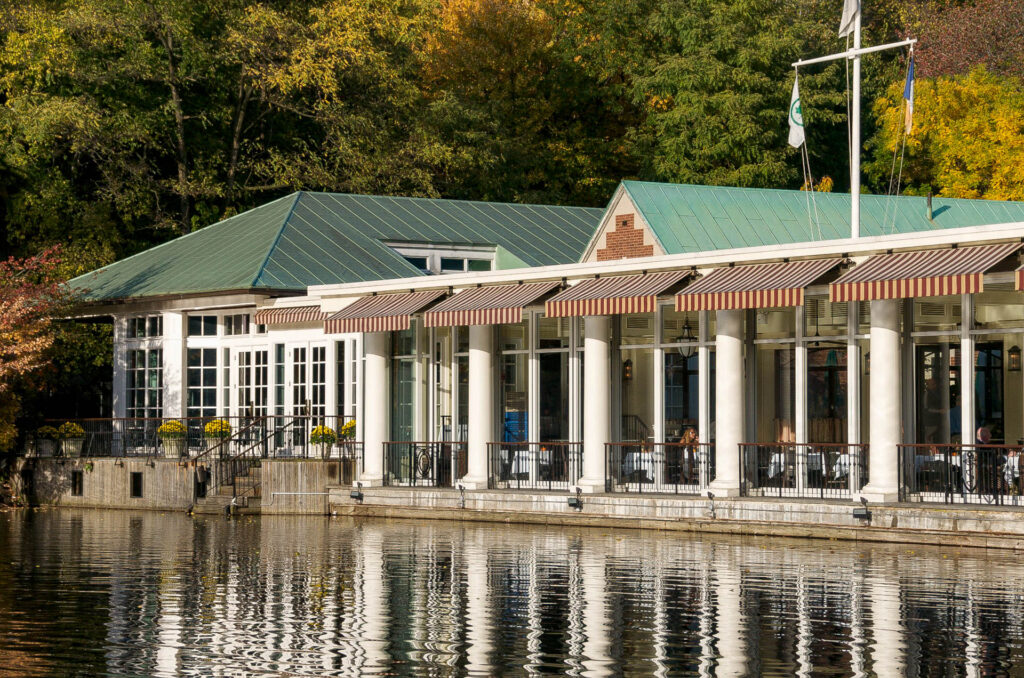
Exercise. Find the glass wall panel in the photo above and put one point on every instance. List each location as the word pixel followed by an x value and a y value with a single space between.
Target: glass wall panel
pixel 937 390
pixel 462 407
pixel 514 386
pixel 553 332
pixel 682 392
pixel 441 376
pixel 637 365
pixel 937 314
pixel 776 393
pixel 998 307
pixel 680 327
pixel 403 384
pixel 824 318
pixel 826 393
pixel 554 396
pixel 513 337
pixel 637 329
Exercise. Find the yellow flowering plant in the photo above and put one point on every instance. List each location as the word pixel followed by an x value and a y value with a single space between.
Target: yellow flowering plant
pixel 172 429
pixel 348 429
pixel 70 429
pixel 323 435
pixel 218 428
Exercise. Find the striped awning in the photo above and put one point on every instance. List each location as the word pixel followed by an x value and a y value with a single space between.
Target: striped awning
pixel 285 316
pixel 494 305
pixel 753 286
pixel 381 313
pixel 613 295
pixel 925 273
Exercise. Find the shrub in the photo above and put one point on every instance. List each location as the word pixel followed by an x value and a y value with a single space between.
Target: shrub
pixel 47 433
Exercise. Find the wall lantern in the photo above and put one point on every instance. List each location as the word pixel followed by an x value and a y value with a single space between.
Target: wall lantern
pixel 1013 359
pixel 627 369
pixel 686 338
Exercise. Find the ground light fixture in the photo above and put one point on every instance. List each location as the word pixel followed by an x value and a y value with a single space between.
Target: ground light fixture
pixel 357 493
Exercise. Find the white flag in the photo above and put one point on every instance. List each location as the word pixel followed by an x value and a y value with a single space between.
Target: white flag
pixel 796 118
pixel 851 10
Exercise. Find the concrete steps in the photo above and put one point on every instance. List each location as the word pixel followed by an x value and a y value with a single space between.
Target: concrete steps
pixel 219 501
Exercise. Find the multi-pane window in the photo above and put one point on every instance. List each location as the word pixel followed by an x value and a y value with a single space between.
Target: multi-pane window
pixel 226 382
pixel 299 393
pixel 260 374
pixel 202 326
pixel 318 383
pixel 236 324
pixel 202 382
pixel 145 383
pixel 145 326
pixel 340 376
pixel 252 383
pixel 279 372
pixel 244 382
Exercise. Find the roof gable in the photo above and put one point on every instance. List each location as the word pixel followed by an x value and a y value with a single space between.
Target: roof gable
pixel 690 218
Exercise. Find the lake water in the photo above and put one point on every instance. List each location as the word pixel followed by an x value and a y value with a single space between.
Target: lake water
pixel 149 594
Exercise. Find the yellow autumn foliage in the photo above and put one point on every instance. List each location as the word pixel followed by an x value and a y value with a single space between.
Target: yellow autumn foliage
pixel 967 139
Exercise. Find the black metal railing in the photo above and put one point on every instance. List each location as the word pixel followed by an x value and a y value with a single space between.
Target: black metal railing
pixel 820 470
pixel 634 429
pixel 424 464
pixel 536 466
pixel 961 474
pixel 675 468
pixel 280 436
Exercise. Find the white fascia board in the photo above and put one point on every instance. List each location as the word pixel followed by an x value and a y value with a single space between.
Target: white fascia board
pixel 143 305
pixel 854 248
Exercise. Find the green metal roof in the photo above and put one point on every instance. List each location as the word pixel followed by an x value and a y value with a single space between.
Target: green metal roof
pixel 687 218
pixel 324 238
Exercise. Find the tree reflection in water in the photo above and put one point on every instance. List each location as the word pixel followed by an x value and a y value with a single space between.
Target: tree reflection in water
pixel 117 593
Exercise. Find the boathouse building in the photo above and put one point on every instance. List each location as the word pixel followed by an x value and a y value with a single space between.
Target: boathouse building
pixel 684 340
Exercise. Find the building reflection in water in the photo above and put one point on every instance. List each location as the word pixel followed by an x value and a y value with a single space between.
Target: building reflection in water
pixel 336 597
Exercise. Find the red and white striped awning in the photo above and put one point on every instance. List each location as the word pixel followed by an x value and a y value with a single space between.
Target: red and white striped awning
pixel 289 315
pixel 494 305
pixel 613 295
pixel 925 273
pixel 381 313
pixel 753 286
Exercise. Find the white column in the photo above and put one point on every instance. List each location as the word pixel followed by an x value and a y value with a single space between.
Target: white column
pixel 119 379
pixel 885 418
pixel 331 377
pixel 174 364
pixel 596 401
pixel 481 404
pixel 376 408
pixel 729 407
pixel 800 401
pixel 852 374
pixel 967 424
pixel 704 379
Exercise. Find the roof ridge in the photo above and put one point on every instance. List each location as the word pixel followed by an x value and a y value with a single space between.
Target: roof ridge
pixel 458 200
pixel 277 239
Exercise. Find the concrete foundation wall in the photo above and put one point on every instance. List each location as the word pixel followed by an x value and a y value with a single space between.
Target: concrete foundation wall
pixel 106 483
pixel 299 486
pixel 992 528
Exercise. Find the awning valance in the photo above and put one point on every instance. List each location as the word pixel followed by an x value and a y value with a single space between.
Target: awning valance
pixel 288 315
pixel 494 305
pixel 925 273
pixel 381 313
pixel 1019 278
pixel 753 286
pixel 613 295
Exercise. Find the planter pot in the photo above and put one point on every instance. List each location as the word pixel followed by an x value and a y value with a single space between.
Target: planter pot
pixel 174 448
pixel 46 447
pixel 72 447
pixel 323 450
pixel 214 444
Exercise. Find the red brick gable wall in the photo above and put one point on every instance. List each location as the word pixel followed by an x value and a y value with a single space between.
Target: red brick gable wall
pixel 625 241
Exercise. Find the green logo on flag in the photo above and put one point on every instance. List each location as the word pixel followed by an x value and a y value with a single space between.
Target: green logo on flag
pixel 796 115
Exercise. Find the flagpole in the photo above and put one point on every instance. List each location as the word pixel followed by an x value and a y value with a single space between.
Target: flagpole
pixel 855 137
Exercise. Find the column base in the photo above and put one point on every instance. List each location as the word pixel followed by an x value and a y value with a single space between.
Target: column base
pixel 877 495
pixel 589 486
pixel 368 482
pixel 473 484
pixel 722 489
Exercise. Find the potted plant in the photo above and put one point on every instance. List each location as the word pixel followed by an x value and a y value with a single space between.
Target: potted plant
pixel 72 438
pixel 348 452
pixel 46 441
pixel 172 437
pixel 216 433
pixel 323 437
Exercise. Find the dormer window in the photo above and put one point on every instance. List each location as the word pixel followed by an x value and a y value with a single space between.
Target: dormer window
pixel 443 259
